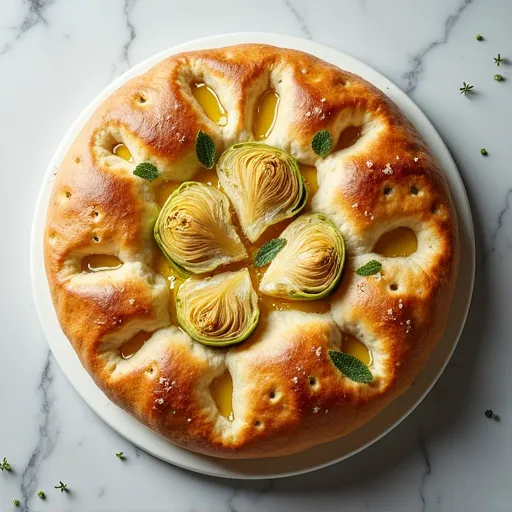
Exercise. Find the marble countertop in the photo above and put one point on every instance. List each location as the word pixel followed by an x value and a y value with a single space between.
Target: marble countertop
pixel 56 55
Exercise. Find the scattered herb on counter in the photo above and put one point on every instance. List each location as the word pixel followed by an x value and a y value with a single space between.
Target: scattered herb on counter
pixel 5 465
pixel 484 152
pixel 120 455
pixel 63 487
pixel 268 251
pixel 498 60
pixel 465 88
pixel 16 503
pixel 42 495
pixel 369 269
pixel 479 37
pixel 146 171
pixel 498 78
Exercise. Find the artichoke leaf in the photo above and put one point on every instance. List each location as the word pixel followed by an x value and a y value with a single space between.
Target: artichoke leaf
pixel 194 230
pixel 218 311
pixel 264 185
pixel 310 264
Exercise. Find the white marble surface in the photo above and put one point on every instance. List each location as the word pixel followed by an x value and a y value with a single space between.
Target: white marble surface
pixel 56 55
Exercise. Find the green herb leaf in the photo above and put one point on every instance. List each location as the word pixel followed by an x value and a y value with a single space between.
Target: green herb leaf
pixel 498 78
pixel 479 37
pixel 120 455
pixel 498 60
pixel 63 487
pixel 146 171
pixel 205 149
pixel 370 268
pixel 466 88
pixel 41 494
pixel 16 503
pixel 268 252
pixel 351 367
pixel 483 151
pixel 322 143
pixel 5 465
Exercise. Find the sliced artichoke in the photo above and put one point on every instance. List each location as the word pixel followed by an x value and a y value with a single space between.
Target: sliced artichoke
pixel 194 230
pixel 220 310
pixel 263 183
pixel 310 264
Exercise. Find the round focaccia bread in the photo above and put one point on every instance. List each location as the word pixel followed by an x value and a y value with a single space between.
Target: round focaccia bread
pixel 287 394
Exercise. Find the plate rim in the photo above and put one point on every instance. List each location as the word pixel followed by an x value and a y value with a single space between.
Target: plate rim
pixel 110 413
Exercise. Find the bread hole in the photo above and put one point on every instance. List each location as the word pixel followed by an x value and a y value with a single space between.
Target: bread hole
pixel 222 392
pixel 141 98
pixel 95 214
pixel 399 242
pixel 257 423
pixel 150 371
pixel 99 262
pixel 356 348
pixel 77 159
pixel 387 190
pixel 312 381
pixel 414 190
pixel 210 103
pixel 96 239
pixel 265 114
pixel 436 209
pixel 133 345
pixel 123 152
pixel 393 287
pixel 67 194
pixel 348 137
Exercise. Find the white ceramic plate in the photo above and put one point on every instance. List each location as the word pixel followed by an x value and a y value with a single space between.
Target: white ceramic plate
pixel 322 455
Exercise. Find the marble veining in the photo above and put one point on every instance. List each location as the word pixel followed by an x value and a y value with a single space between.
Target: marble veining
pixel 33 16
pixel 413 75
pixel 47 437
pixel 55 56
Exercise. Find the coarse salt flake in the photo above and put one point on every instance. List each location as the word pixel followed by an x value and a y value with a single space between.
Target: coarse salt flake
pixel 369 164
pixel 387 170
pixel 318 351
pixel 316 409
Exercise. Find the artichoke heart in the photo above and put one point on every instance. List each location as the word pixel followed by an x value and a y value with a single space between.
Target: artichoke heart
pixel 310 264
pixel 220 310
pixel 263 183
pixel 194 230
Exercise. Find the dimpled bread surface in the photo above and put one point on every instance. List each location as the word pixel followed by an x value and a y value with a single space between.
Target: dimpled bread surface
pixel 287 394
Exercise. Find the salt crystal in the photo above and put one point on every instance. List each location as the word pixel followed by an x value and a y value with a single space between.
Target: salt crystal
pixel 387 170
pixel 369 164
pixel 316 409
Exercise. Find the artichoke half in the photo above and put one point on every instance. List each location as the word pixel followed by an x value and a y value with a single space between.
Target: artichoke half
pixel 194 230
pixel 263 183
pixel 220 310
pixel 310 264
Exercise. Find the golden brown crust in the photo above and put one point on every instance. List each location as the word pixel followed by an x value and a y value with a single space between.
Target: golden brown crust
pixel 287 394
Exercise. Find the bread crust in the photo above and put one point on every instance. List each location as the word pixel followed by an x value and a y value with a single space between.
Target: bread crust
pixel 388 178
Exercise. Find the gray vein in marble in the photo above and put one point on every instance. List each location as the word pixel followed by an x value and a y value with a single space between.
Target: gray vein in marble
pixel 501 218
pixel 128 6
pixel 411 77
pixel 300 19
pixel 34 16
pixel 428 470
pixel 46 438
